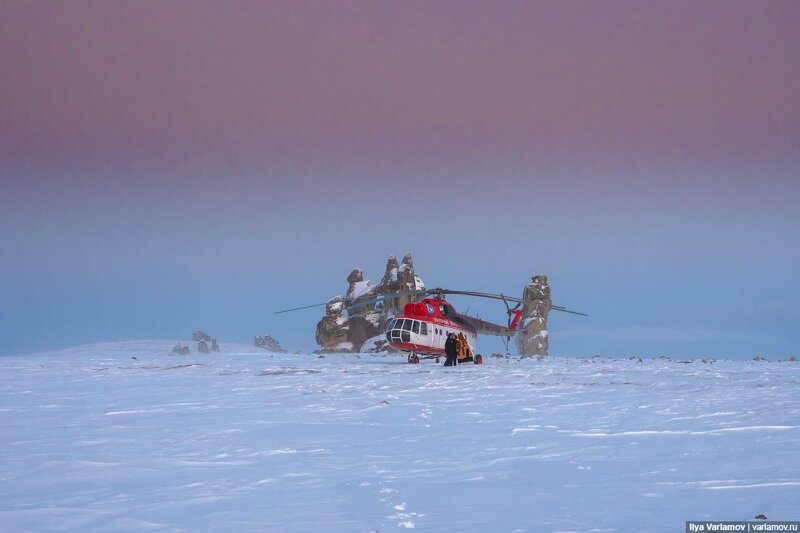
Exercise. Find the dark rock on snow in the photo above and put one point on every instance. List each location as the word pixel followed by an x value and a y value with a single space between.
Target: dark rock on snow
pixel 263 341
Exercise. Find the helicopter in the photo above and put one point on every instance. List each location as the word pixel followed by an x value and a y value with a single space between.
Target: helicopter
pixel 422 329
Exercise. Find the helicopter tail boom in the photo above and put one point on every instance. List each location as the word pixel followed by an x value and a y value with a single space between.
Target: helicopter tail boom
pixel 483 327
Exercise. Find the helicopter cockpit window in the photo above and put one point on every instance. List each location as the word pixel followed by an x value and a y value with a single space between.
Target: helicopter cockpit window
pixel 443 309
pixel 415 326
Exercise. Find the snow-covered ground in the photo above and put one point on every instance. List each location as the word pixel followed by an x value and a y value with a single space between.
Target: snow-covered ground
pixel 93 439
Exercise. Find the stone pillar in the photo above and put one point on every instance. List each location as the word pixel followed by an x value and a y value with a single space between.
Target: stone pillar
pixel 532 337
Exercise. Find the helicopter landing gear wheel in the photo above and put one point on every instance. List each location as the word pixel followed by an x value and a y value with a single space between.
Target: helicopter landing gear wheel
pixel 413 358
pixel 478 359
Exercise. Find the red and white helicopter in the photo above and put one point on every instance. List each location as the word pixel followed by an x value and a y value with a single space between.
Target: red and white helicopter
pixel 422 328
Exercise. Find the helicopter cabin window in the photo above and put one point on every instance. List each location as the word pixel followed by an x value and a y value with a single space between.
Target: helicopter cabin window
pixel 423 328
pixel 415 326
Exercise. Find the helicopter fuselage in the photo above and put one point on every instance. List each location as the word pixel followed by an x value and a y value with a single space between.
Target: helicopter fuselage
pixel 423 327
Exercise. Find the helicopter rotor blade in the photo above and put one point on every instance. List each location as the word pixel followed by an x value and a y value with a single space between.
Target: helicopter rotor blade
pixel 502 297
pixel 439 292
pixel 565 310
pixel 481 295
pixel 384 297
pixel 507 298
pixel 299 308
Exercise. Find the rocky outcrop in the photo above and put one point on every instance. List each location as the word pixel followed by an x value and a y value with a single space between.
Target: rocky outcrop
pixel 399 278
pixel 332 329
pixel 261 341
pixel 201 335
pixel 359 291
pixel 532 339
pixel 180 349
pixel 363 327
pixel 353 319
pixel 377 344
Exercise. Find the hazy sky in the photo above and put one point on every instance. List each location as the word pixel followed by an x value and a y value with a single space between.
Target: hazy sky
pixel 168 166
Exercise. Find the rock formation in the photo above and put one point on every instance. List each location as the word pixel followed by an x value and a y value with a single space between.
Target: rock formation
pixel 332 329
pixel 261 341
pixel 359 291
pixel 399 278
pixel 377 344
pixel 532 336
pixel 339 333
pixel 201 335
pixel 180 349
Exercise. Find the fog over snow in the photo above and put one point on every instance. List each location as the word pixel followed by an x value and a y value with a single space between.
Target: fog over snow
pixel 123 436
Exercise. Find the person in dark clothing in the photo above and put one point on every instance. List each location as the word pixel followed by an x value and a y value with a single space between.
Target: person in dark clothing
pixel 450 350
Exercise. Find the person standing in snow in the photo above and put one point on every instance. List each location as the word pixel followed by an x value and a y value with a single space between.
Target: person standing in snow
pixel 451 350
pixel 462 347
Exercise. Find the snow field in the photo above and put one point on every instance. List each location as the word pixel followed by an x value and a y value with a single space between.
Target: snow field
pixel 250 441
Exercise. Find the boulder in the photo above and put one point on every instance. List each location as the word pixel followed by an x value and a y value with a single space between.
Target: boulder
pixel 532 337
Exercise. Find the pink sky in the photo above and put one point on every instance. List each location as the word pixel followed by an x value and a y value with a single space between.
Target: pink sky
pixel 645 155
pixel 163 82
